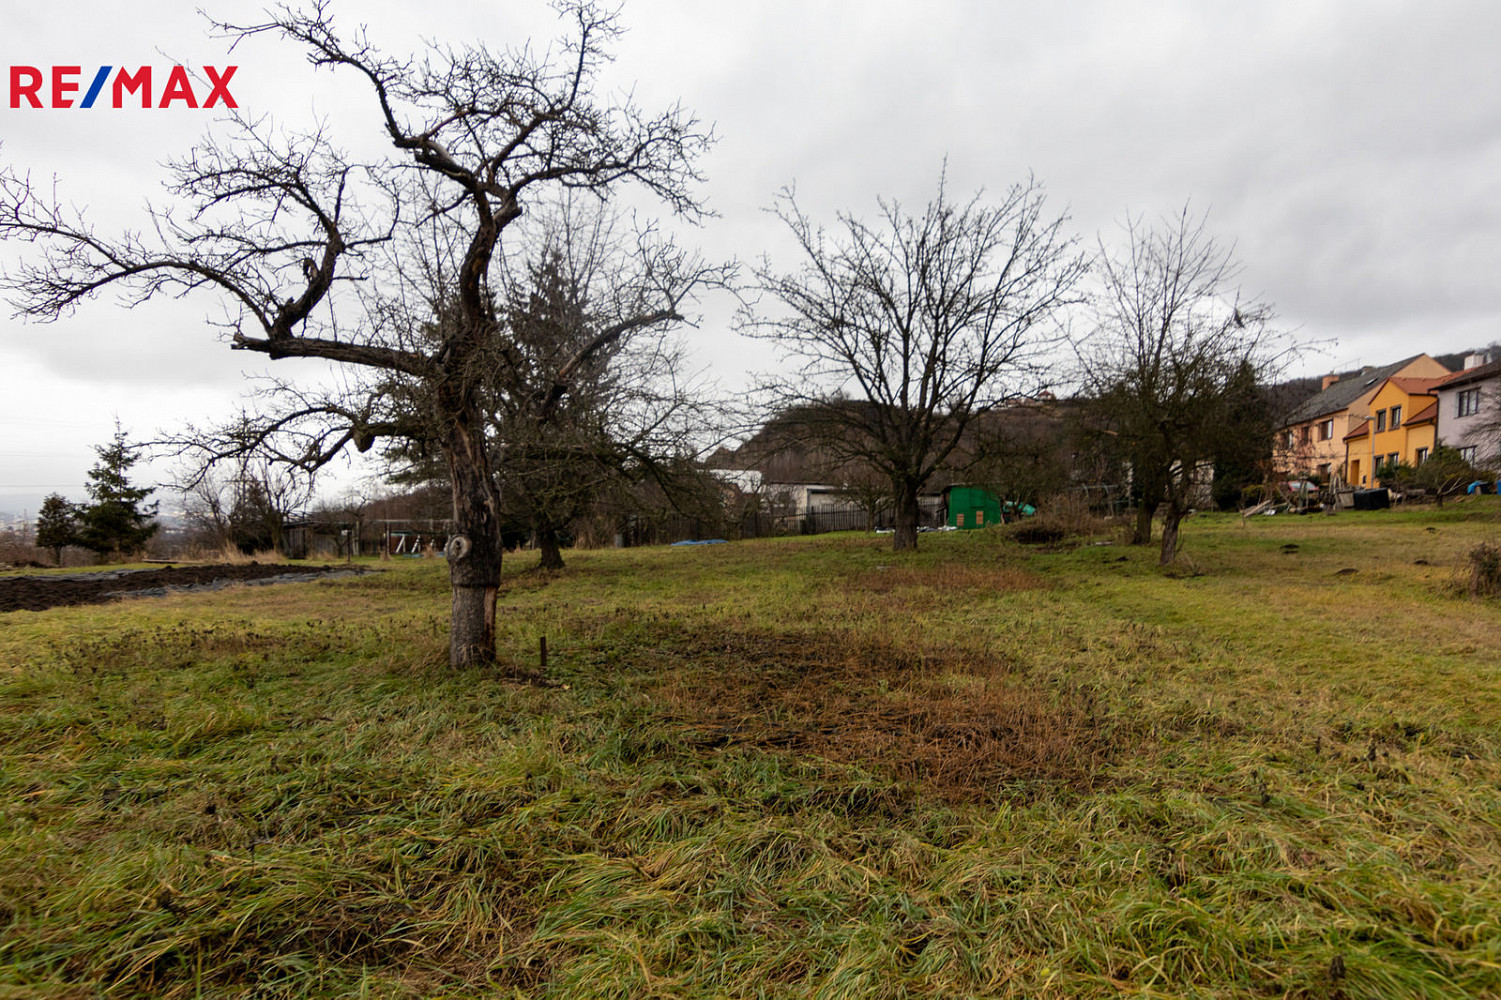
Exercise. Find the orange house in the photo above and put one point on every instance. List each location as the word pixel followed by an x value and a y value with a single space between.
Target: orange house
pixel 1402 427
pixel 1312 438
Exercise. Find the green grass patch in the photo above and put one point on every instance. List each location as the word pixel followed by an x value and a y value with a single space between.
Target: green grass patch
pixel 787 768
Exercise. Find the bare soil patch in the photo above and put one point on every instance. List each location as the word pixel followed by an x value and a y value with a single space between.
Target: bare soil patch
pixel 38 593
pixel 956 723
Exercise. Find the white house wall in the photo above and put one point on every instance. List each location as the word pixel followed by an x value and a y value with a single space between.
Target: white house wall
pixel 1467 431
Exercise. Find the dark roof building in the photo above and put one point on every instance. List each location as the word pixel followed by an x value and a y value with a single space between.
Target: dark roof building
pixel 1342 390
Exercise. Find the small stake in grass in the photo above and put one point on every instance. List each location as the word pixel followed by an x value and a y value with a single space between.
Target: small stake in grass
pixel 542 647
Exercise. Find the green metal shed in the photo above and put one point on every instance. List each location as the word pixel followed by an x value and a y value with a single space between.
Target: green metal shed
pixel 972 507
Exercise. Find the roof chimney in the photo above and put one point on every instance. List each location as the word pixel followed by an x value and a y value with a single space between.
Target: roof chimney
pixel 1328 381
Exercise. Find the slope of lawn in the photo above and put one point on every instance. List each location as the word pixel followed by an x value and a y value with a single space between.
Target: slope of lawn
pixel 782 768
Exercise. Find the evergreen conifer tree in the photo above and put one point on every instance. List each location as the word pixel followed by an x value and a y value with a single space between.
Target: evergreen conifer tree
pixel 56 525
pixel 116 521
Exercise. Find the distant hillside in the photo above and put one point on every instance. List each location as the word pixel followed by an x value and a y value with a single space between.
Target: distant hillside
pixel 1285 396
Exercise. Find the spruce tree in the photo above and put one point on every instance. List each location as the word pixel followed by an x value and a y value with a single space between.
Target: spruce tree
pixel 56 525
pixel 116 521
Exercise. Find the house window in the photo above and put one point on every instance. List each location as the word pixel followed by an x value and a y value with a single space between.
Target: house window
pixel 1468 403
pixel 1420 457
pixel 1324 469
pixel 1468 453
pixel 1288 440
pixel 1393 458
pixel 1326 430
pixel 1307 433
pixel 1380 421
pixel 1396 417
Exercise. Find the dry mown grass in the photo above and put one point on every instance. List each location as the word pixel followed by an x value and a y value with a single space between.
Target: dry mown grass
pixel 948 581
pixel 783 770
pixel 954 723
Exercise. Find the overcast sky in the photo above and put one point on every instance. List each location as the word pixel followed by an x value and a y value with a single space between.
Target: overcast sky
pixel 1350 151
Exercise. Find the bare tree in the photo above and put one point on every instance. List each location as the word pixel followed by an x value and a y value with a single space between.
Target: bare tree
pixel 386 265
pixel 630 408
pixel 911 328
pixel 1174 365
pixel 630 411
pixel 244 502
pixel 866 488
pixel 1025 454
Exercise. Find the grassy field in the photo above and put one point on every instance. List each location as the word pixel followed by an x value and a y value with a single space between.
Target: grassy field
pixel 791 768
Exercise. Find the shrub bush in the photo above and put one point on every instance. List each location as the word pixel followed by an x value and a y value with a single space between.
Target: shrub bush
pixel 1059 517
pixel 1485 570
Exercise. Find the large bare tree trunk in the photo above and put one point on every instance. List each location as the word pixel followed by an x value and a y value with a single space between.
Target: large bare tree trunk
pixel 1170 521
pixel 906 519
pixel 474 553
pixel 1142 533
pixel 547 544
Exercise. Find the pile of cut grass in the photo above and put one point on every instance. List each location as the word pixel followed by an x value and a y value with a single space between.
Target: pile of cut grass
pixel 790 768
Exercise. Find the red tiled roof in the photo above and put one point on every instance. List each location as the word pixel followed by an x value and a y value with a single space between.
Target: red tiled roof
pixel 1350 387
pixel 1477 374
pixel 1417 386
pixel 1361 431
pixel 1427 414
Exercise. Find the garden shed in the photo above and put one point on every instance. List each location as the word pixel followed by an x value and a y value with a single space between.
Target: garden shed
pixel 972 507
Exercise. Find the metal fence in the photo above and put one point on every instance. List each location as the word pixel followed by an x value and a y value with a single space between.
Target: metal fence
pixel 343 539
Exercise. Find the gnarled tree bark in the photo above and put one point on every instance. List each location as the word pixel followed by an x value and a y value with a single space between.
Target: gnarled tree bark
pixel 385 265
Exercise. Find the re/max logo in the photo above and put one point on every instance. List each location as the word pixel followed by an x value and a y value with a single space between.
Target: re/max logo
pixel 27 84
